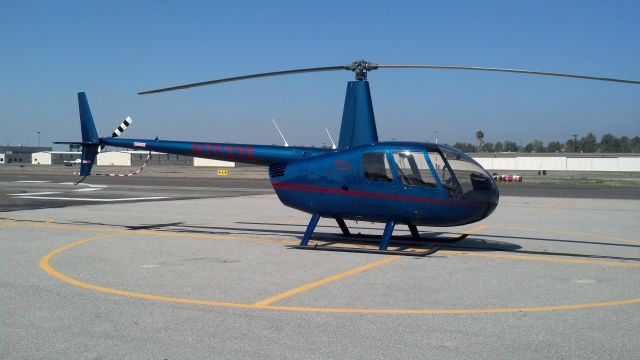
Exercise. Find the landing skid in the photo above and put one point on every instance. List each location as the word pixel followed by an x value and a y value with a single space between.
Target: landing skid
pixel 383 243
pixel 415 234
pixel 422 239
pixel 447 240
pixel 368 251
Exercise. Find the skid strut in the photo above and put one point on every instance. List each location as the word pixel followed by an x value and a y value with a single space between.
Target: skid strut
pixel 386 236
pixel 309 232
pixel 343 227
pixel 383 245
pixel 415 234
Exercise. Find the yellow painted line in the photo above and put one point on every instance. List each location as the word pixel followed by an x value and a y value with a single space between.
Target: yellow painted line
pixel 576 233
pixel 154 233
pixel 49 224
pixel 16 223
pixel 9 223
pixel 315 284
pixel 471 231
pixel 46 266
pixel 543 259
pixel 475 229
pixel 460 311
pixel 556 205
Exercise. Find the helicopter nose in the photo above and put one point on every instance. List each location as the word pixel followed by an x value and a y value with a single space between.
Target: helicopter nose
pixel 493 198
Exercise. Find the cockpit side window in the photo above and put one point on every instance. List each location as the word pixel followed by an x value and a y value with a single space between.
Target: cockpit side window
pixel 376 167
pixel 413 168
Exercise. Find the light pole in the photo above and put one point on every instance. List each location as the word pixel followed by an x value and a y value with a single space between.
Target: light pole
pixel 38 138
pixel 575 142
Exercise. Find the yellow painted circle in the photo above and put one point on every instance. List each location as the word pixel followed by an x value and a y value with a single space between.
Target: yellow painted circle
pixel 46 266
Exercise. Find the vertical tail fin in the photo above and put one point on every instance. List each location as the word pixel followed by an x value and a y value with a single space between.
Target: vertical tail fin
pixel 90 138
pixel 89 133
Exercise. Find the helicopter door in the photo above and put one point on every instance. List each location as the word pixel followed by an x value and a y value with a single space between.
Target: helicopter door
pixel 417 179
pixel 378 179
pixel 414 170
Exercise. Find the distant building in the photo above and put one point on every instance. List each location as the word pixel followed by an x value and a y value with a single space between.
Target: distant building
pixel 28 155
pixel 19 154
pixel 625 162
pixel 41 158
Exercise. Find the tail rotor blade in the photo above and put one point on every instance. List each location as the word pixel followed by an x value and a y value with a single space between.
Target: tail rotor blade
pixel 120 129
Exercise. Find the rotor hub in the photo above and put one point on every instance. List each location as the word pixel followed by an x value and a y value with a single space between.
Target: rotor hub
pixel 360 68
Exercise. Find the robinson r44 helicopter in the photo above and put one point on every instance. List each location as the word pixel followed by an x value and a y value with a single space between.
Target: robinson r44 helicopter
pixel 410 183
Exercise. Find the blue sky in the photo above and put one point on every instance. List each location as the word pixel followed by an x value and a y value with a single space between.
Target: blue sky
pixel 50 50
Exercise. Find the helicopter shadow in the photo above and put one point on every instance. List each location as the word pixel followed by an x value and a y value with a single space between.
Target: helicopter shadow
pixel 472 243
pixel 403 244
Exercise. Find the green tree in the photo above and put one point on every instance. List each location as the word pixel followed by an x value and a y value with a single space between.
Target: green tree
pixel 465 147
pixel 572 146
pixel 487 147
pixel 554 147
pixel 609 143
pixel 498 147
pixel 538 146
pixel 588 143
pixel 625 145
pixel 634 144
pixel 528 148
pixel 480 139
pixel 510 146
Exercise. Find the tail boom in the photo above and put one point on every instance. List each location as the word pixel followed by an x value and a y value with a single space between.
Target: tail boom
pixel 242 153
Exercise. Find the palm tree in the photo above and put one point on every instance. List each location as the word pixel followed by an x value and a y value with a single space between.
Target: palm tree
pixel 480 138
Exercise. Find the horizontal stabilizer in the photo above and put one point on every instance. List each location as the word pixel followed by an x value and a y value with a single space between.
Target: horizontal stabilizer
pixel 73 143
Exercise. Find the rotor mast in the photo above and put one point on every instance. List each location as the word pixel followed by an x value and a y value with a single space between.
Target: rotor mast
pixel 360 69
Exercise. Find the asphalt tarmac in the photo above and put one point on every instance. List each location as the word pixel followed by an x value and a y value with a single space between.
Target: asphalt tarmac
pixel 173 268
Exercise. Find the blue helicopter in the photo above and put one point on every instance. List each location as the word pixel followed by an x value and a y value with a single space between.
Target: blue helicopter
pixel 410 183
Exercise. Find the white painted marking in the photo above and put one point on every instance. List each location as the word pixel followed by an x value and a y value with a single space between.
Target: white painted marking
pixel 93 199
pixel 32 181
pixel 150 266
pixel 584 281
pixel 87 189
pixel 36 193
pixel 83 184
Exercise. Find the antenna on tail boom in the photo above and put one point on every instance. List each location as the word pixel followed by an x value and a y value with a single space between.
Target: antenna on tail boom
pixel 333 145
pixel 280 132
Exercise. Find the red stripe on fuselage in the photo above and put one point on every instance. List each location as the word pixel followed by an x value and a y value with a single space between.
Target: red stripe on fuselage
pixel 238 152
pixel 337 191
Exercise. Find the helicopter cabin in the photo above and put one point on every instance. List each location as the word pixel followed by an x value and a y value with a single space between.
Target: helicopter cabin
pixel 411 183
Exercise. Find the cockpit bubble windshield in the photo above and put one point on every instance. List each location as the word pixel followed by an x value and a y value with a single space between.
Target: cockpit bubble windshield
pixel 459 172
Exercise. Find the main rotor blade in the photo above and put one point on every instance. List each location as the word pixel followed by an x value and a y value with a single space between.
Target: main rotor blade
pixel 531 72
pixel 246 77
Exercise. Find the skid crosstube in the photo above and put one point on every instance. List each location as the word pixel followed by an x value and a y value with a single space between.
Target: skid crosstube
pixel 368 251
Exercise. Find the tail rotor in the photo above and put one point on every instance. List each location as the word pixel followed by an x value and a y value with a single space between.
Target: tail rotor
pixel 118 131
pixel 91 143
